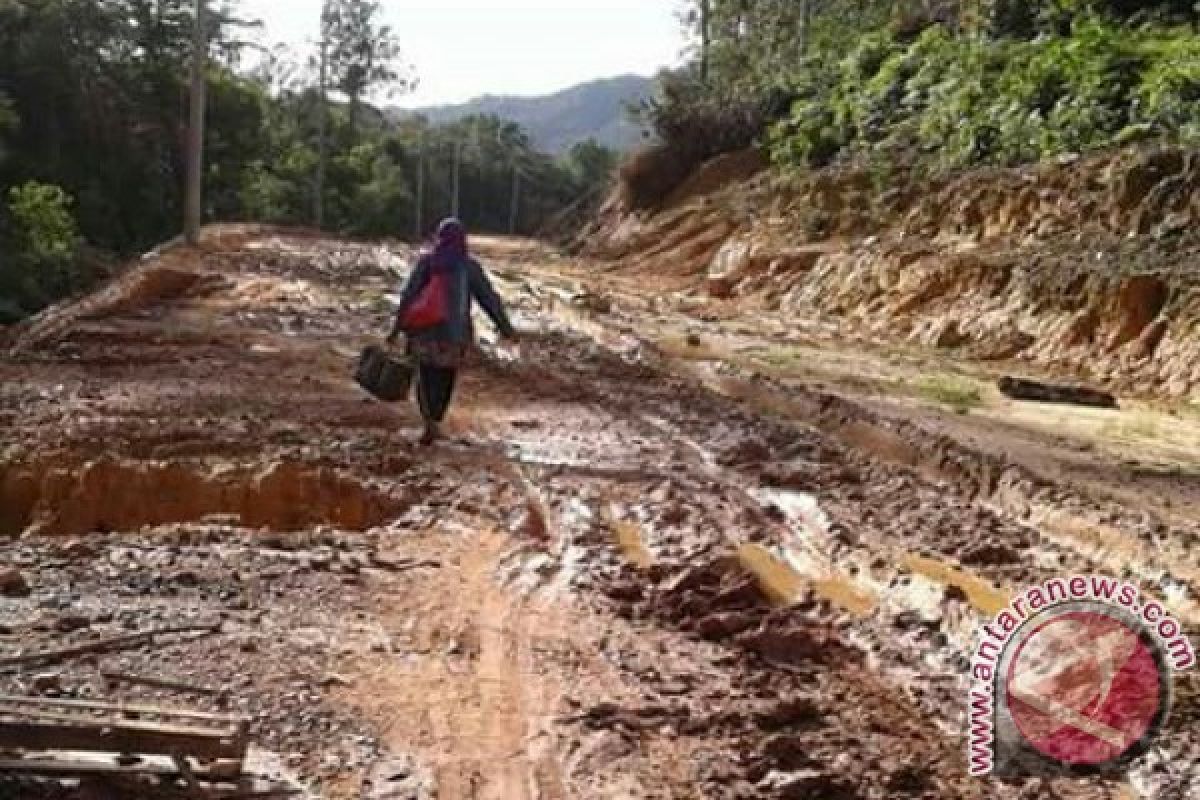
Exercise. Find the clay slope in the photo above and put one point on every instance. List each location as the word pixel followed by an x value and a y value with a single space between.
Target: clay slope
pixel 1083 267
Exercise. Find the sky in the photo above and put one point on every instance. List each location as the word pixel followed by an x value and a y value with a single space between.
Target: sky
pixel 461 49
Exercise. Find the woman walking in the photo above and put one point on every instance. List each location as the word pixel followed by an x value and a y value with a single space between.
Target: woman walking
pixel 435 315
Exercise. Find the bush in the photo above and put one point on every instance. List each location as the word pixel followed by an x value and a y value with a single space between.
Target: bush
pixel 1169 93
pixel 41 216
pixel 381 196
pixel 949 101
pixel 695 121
pixel 43 244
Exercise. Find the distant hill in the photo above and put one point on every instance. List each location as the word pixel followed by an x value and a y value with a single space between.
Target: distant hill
pixel 558 121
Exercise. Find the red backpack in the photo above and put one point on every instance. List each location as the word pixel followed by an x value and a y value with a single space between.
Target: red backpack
pixel 428 308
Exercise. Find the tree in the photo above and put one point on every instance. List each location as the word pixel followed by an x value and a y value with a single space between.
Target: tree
pixel 194 200
pixel 363 54
pixel 94 127
pixel 592 164
pixel 41 234
pixel 8 124
pixel 355 55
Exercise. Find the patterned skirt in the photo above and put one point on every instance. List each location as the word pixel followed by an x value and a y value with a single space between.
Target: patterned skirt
pixel 439 353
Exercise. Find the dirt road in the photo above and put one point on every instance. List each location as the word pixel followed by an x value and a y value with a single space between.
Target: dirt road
pixel 634 570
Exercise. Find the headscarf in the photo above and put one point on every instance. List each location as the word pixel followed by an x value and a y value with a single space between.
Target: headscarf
pixel 450 246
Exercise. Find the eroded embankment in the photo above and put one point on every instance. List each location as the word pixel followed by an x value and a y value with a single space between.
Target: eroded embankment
pixel 65 498
pixel 1082 267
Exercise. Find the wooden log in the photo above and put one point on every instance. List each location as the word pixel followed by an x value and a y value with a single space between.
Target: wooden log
pixel 1038 392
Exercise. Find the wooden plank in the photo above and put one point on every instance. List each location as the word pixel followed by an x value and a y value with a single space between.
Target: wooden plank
pixel 96 723
pixel 67 768
pixel 158 683
pixel 61 765
pixel 40 717
pixel 189 777
pixel 118 708
pixel 139 739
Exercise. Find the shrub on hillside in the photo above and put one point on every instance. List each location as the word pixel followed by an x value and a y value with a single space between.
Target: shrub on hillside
pixel 948 101
pixel 694 122
pixel 41 244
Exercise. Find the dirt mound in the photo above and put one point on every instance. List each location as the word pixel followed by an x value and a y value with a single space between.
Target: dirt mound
pixel 153 281
pixel 649 176
pixel 719 173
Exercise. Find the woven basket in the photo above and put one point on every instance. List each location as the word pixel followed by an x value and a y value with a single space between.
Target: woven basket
pixel 386 376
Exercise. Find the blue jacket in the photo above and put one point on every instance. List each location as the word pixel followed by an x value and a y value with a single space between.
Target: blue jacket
pixel 468 282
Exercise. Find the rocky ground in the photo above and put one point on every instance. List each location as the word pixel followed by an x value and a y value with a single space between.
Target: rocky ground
pixel 639 567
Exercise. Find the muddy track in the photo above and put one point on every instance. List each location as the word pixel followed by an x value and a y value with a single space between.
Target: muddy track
pixel 896 558
pixel 625 576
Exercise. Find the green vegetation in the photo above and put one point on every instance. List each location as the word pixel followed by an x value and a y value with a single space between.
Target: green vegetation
pixel 952 101
pixel 932 85
pixel 959 394
pixel 44 243
pixel 93 115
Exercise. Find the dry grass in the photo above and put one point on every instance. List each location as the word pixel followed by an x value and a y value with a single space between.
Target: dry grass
pixel 957 393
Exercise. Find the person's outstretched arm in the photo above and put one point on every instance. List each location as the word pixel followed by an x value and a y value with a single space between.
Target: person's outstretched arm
pixel 485 294
pixel 416 282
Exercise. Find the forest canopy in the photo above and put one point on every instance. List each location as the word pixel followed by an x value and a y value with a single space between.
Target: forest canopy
pixel 93 121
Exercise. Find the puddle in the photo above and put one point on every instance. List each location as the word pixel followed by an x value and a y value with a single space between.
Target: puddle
pixel 778 581
pixel 629 539
pixel 784 584
pixel 982 595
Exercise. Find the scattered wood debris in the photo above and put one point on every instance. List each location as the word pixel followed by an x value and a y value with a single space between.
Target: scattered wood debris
pixel 115 677
pixel 74 739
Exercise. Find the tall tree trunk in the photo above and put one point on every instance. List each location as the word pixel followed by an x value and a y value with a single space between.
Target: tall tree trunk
pixel 456 180
pixel 514 206
pixel 419 224
pixel 705 38
pixel 322 137
pixel 193 202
